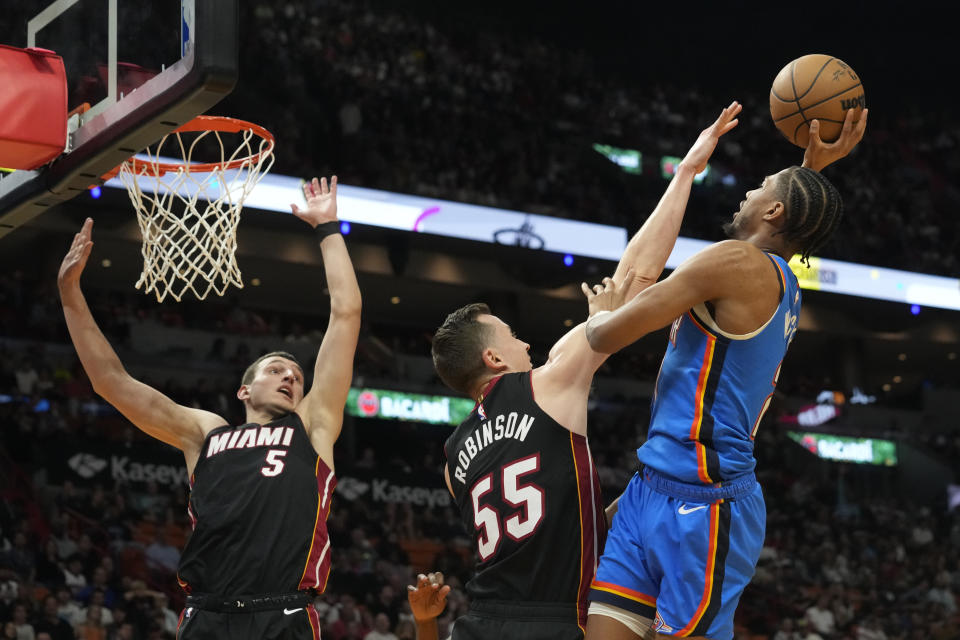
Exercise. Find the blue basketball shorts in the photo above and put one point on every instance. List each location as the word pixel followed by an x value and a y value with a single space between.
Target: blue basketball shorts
pixel 682 554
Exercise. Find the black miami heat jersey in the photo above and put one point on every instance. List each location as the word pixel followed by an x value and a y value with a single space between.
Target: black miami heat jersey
pixel 529 493
pixel 259 501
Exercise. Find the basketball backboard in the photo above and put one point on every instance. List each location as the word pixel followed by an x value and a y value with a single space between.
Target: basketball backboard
pixel 135 71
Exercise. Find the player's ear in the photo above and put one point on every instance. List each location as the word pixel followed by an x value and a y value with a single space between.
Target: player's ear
pixel 491 359
pixel 776 214
pixel 243 393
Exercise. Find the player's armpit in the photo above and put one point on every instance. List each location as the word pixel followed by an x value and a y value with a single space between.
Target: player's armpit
pixel 562 385
pixel 717 272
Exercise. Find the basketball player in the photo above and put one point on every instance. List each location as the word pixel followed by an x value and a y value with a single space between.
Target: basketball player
pixel 519 466
pixel 690 525
pixel 260 492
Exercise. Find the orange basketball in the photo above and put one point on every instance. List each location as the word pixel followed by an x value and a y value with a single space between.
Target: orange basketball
pixel 814 87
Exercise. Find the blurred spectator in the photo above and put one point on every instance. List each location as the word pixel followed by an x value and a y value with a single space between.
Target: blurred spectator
pixel 347 620
pixel 820 617
pixel 27 377
pixel 787 631
pixel 169 617
pixel 922 534
pixel 387 603
pixel 73 574
pixel 92 627
pixel 48 621
pixel 104 615
pixel 941 594
pixel 20 558
pixel 98 588
pixel 88 553
pixel 381 629
pixel 68 608
pixel 66 544
pixel 162 554
pixel 9 591
pixel 24 630
pixel 870 629
pixel 48 570
pixel 122 631
pixel 120 628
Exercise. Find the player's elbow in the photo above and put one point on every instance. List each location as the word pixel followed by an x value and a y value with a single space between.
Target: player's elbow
pixel 348 309
pixel 598 337
pixel 108 384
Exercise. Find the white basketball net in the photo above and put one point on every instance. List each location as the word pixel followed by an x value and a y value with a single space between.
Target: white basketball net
pixel 188 221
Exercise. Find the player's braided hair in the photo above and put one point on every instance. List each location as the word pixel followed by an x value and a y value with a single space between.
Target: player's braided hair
pixel 813 209
pixel 458 347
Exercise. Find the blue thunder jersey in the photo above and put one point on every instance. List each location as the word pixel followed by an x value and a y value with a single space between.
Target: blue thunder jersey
pixel 713 389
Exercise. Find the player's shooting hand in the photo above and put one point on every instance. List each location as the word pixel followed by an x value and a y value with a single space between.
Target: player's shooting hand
pixel 321 202
pixel 76 258
pixel 429 597
pixel 607 296
pixel 702 149
pixel 819 154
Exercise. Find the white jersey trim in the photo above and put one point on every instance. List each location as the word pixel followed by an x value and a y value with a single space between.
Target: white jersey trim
pixel 700 311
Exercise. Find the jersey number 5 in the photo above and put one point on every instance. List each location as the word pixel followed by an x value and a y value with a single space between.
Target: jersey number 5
pixel 276 463
pixel 519 524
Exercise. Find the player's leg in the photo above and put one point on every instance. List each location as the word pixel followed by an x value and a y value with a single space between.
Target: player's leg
pixel 293 623
pixel 717 543
pixel 614 623
pixel 623 594
pixel 195 624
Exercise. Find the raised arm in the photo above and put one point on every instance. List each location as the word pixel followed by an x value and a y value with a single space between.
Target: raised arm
pixel 649 248
pixel 563 383
pixel 695 281
pixel 322 408
pixel 147 408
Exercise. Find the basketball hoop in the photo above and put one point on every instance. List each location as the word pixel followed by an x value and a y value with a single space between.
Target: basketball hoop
pixel 188 211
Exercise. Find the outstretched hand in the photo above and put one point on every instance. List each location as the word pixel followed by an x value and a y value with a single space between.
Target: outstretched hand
pixel 819 154
pixel 702 149
pixel 76 258
pixel 429 597
pixel 608 296
pixel 321 202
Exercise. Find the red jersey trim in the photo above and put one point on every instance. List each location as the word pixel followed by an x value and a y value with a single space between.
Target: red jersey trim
pixel 589 545
pixel 317 556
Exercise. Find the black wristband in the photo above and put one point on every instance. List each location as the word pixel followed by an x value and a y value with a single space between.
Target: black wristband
pixel 327 229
